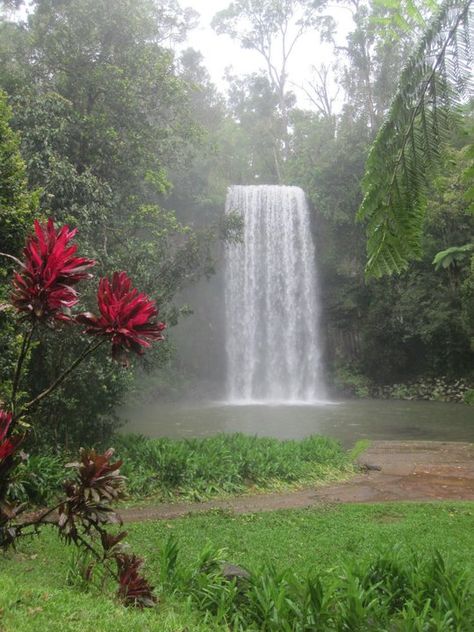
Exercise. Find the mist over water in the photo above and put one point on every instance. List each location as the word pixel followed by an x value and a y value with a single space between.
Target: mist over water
pixel 348 422
pixel 271 300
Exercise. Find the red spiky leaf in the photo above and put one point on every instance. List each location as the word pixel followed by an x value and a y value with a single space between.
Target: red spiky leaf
pixel 98 483
pixel 134 590
pixel 5 422
pixel 43 288
pixel 127 317
pixel 8 445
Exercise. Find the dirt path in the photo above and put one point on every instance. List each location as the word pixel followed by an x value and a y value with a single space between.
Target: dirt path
pixel 410 470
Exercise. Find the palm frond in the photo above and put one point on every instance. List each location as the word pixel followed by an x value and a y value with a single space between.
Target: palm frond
pixel 409 147
pixel 452 255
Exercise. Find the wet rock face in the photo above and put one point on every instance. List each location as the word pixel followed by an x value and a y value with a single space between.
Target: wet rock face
pixel 440 389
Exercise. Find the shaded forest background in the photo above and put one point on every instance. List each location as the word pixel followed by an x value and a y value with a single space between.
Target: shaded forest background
pixel 108 122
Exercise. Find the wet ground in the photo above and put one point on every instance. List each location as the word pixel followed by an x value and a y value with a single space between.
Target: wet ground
pixel 409 471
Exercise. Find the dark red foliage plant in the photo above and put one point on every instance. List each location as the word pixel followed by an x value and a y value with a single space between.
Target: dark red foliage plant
pixel 127 317
pixel 133 588
pixel 8 446
pixel 97 483
pixel 44 292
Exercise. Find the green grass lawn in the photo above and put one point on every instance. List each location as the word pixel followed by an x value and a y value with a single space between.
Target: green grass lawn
pixel 34 594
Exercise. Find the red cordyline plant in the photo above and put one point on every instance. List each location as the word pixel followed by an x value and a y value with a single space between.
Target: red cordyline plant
pixel 43 287
pixel 7 446
pixel 127 317
pixel 44 292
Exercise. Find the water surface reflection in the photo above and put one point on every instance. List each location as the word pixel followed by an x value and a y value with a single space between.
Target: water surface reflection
pixel 347 421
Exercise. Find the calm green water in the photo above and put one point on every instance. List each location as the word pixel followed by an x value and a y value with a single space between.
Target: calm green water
pixel 347 421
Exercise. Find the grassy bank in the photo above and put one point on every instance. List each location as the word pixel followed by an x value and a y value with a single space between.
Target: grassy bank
pixel 201 468
pixel 228 464
pixel 337 544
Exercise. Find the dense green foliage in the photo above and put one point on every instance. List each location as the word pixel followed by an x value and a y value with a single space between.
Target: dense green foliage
pixel 198 468
pixel 418 322
pixel 396 589
pixel 16 204
pixel 16 212
pixel 409 148
pixel 228 463
pixel 102 148
pixel 129 140
pixel 50 592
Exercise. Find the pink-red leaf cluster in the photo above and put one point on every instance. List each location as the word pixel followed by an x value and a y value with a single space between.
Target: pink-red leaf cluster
pixel 127 317
pixel 44 287
pixel 7 445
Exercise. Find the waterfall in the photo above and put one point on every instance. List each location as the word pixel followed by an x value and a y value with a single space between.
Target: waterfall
pixel 271 299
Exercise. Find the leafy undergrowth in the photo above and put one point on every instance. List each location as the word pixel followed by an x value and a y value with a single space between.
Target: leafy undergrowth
pixel 394 590
pixel 360 567
pixel 227 464
pixel 196 469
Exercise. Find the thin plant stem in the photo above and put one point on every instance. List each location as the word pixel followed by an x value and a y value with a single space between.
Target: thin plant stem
pixel 89 547
pixel 79 539
pixel 4 254
pixel 19 366
pixel 100 558
pixel 88 351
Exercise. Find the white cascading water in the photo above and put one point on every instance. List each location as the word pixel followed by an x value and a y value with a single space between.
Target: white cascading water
pixel 271 300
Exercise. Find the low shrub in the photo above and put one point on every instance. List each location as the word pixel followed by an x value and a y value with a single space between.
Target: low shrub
pixel 38 479
pixel 469 397
pixel 195 469
pixel 395 590
pixel 349 381
pixel 199 468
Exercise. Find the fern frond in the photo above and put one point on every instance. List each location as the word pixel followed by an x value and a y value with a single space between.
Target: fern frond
pixel 409 147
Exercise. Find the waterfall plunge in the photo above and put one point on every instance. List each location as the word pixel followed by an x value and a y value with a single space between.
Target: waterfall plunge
pixel 271 300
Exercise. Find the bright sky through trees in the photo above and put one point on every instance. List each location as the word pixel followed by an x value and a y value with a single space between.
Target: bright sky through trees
pixel 220 52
